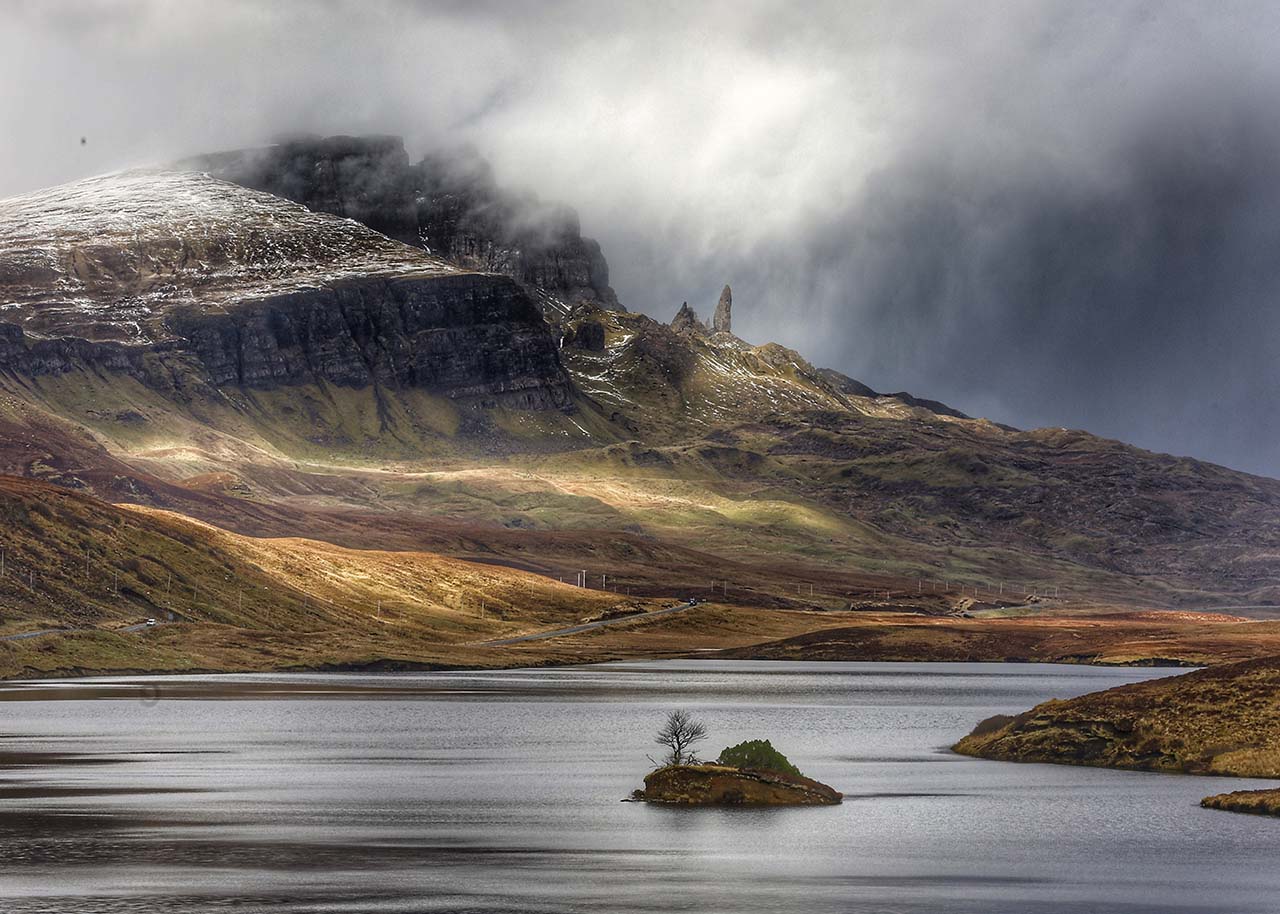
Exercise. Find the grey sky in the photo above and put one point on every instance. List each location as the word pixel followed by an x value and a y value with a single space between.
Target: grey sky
pixel 1054 213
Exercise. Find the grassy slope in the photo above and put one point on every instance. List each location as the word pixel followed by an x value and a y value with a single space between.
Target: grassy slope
pixel 1051 635
pixel 253 603
pixel 759 448
pixel 748 455
pixel 73 562
pixel 1223 721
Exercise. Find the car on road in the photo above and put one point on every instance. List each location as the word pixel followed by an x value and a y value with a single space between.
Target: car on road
pixel 151 621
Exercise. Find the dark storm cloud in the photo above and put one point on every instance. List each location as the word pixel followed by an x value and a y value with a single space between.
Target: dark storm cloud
pixel 1116 272
pixel 1060 213
pixel 1138 302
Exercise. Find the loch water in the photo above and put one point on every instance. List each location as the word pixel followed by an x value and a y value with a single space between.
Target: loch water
pixel 500 792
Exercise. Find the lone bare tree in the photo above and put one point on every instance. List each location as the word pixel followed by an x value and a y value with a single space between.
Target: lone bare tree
pixel 678 735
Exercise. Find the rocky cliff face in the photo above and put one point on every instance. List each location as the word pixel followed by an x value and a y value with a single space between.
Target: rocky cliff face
pixel 464 216
pixel 722 322
pixel 686 321
pixel 467 336
pixel 165 274
pixel 448 204
pixel 367 178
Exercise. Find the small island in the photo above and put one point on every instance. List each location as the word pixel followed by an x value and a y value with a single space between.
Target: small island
pixel 752 773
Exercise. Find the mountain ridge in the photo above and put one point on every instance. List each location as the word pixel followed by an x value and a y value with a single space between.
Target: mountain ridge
pixel 183 343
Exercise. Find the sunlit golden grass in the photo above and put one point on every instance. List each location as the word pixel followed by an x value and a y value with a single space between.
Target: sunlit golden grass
pixel 1256 802
pixel 85 567
pixel 448 599
pixel 1224 721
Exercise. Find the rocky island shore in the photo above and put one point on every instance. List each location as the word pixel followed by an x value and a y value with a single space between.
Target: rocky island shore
pixel 724 785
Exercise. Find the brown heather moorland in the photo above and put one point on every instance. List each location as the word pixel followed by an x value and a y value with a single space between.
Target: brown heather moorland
pixel 1224 720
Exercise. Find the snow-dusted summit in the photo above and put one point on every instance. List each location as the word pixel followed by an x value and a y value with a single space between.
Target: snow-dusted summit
pixel 107 258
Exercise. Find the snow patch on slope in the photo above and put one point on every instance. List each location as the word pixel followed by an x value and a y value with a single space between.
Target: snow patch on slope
pixel 105 258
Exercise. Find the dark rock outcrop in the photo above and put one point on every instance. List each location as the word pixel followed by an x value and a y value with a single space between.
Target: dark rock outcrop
pixel 464 336
pixel 467 335
pixel 686 321
pixel 449 204
pixel 464 216
pixel 33 357
pixel 721 785
pixel 722 322
pixel 366 178
pixel 588 335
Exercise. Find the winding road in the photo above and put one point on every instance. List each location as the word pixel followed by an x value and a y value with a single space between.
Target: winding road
pixel 535 636
pixel 67 631
pixel 588 626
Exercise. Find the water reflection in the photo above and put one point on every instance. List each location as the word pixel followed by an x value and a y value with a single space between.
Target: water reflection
pixel 499 792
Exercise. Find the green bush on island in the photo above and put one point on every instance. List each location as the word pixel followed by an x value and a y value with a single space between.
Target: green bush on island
pixel 758 754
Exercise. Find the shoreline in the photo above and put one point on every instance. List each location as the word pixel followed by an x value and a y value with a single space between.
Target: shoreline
pixel 410 666
pixel 260 683
pixel 1220 721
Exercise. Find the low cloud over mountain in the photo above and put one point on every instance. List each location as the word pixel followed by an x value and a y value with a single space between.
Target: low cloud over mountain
pixel 1058 213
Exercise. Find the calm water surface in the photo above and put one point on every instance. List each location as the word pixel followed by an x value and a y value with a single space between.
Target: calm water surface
pixel 500 792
